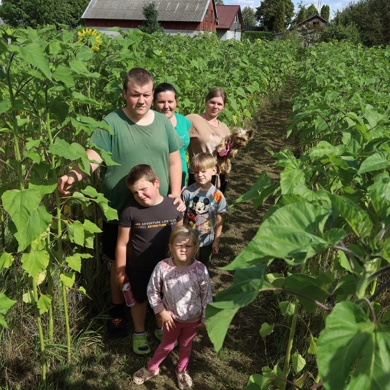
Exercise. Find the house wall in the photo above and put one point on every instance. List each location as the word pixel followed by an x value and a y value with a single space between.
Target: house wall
pixel 209 23
pixel 190 28
pixel 236 26
pixel 134 24
pixel 104 30
pixel 224 35
pixel 314 23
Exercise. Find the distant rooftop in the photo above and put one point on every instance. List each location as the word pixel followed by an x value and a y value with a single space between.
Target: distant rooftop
pixel 168 10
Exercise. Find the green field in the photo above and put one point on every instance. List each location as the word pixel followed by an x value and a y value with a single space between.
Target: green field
pixel 302 298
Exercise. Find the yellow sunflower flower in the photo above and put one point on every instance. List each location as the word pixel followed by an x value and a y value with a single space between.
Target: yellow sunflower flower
pixel 90 37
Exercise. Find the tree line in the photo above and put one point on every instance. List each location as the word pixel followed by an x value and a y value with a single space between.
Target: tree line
pixel 39 13
pixel 364 21
pixel 278 15
pixel 369 19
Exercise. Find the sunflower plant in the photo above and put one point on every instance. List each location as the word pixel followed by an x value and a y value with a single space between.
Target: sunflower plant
pixel 90 37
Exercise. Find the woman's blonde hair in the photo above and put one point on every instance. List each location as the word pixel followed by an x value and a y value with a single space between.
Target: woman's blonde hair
pixel 185 231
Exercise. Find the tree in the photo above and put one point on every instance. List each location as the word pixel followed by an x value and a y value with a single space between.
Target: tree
pixel 312 10
pixel 373 30
pixel 325 12
pixel 36 13
pixel 249 16
pixel 380 9
pixel 279 18
pixel 219 2
pixel 301 14
pixel 150 24
pixel 271 11
pixel 340 33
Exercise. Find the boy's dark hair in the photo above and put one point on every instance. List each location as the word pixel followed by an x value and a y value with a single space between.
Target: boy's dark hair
pixel 139 172
pixel 164 87
pixel 139 76
pixel 203 161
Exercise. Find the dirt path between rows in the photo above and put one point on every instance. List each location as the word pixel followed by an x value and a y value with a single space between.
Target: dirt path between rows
pixel 244 351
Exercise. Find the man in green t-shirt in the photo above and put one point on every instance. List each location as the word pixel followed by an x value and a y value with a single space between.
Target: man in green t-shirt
pixel 140 136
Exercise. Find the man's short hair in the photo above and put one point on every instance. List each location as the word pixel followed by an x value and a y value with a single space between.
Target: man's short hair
pixel 139 76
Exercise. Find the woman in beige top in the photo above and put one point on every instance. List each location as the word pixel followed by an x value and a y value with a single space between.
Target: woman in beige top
pixel 206 131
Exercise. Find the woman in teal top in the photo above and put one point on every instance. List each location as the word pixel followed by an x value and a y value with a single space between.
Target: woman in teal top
pixel 165 101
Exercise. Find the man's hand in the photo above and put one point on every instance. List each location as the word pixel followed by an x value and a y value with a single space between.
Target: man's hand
pixel 178 201
pixel 76 174
pixel 65 183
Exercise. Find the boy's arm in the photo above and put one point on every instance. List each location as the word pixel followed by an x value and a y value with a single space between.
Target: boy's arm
pixel 217 233
pixel 120 253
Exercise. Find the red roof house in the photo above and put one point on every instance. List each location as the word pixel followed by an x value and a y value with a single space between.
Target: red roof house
pixel 175 16
pixel 230 22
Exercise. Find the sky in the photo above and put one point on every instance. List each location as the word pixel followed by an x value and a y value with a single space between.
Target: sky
pixel 334 5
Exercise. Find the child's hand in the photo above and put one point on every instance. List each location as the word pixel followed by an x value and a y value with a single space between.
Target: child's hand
pixel 215 248
pixel 200 326
pixel 120 277
pixel 167 320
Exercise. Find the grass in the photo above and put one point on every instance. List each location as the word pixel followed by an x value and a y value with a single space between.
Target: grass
pixel 101 362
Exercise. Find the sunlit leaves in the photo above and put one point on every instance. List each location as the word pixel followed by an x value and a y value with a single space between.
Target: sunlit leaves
pixel 34 262
pixel 68 279
pixel 72 152
pixel 246 285
pixel 6 260
pixel 356 218
pixel 292 232
pixel 259 192
pixel 44 303
pixel 266 329
pixel 5 305
pixel 30 218
pixel 298 362
pixel 109 212
pixel 34 54
pixel 375 162
pixel 353 352
pixel 307 286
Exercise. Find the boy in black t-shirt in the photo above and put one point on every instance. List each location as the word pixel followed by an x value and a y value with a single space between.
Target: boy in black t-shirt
pixel 143 237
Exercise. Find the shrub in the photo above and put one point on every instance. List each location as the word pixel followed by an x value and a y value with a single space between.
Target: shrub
pixel 348 33
pixel 254 35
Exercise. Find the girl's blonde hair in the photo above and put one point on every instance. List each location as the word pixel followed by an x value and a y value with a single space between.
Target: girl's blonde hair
pixel 185 231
